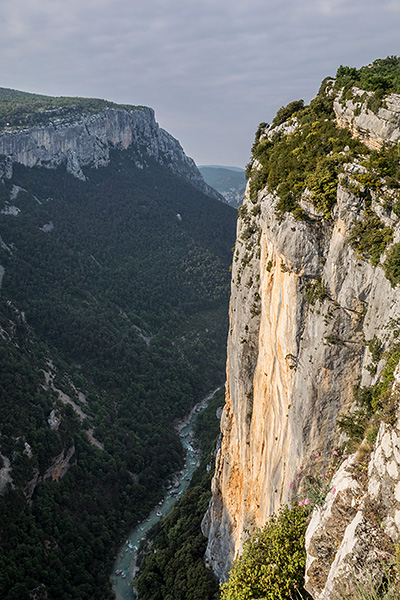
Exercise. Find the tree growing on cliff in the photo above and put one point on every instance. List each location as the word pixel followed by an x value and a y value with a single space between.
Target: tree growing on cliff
pixel 273 560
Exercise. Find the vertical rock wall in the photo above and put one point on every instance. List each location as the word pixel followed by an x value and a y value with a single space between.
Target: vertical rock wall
pixel 294 357
pixel 350 537
pixel 87 141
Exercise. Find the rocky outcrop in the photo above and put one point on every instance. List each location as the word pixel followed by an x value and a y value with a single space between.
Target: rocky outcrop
pixel 303 306
pixel 59 465
pixel 87 141
pixel 374 129
pixel 350 537
pixel 5 472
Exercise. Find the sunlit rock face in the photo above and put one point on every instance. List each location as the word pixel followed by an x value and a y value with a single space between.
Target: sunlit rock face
pixel 293 361
pixel 87 141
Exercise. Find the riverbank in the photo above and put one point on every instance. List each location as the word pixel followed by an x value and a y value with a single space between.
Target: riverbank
pixel 125 565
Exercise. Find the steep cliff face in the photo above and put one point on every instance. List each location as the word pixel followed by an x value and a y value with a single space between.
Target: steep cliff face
pixel 87 140
pixel 304 304
pixel 350 537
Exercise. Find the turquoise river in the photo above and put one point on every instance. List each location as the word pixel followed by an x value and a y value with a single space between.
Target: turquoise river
pixel 124 570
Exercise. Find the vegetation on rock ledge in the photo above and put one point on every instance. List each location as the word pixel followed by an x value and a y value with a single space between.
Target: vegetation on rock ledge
pixel 22 109
pixel 310 158
pixel 383 74
pixel 273 560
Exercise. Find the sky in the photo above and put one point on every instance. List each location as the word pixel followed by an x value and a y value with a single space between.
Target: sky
pixel 211 69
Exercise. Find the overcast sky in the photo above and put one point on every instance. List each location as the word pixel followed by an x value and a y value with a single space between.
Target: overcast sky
pixel 211 69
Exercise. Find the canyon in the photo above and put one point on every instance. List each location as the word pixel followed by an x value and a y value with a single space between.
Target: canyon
pixel 86 140
pixel 114 268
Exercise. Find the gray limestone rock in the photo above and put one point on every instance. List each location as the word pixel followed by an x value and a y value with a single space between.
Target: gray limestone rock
pixel 374 129
pixel 349 536
pixel 87 141
pixel 293 361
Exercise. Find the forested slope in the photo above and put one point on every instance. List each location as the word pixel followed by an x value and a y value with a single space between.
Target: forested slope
pixel 113 309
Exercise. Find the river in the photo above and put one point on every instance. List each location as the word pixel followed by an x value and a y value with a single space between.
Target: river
pixel 125 565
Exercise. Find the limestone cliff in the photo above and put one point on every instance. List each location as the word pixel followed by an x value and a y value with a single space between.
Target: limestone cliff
pixel 350 537
pixel 374 129
pixel 86 141
pixel 304 305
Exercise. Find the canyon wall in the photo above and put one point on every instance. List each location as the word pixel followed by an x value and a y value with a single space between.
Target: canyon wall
pixel 88 139
pixel 304 305
pixel 350 537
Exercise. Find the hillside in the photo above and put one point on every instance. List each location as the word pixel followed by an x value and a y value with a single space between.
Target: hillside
pixel 312 368
pixel 231 184
pixel 114 289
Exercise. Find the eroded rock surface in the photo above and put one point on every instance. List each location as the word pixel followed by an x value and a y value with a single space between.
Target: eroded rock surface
pixel 88 141
pixel 375 129
pixel 295 352
pixel 350 536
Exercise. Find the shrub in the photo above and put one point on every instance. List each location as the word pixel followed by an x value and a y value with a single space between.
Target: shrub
pixel 285 112
pixel 273 560
pixel 260 130
pixel 315 290
pixel 355 423
pixel 322 183
pixel 373 404
pixel 392 265
pixel 376 101
pixel 385 585
pixel 370 238
pixel 382 164
pixel 383 389
pixel 376 348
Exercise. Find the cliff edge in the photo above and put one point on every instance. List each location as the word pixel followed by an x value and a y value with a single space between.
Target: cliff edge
pixel 84 138
pixel 313 316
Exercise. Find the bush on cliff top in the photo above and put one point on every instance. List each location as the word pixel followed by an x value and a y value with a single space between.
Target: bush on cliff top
pixel 370 238
pixel 392 265
pixel 383 74
pixel 311 157
pixel 22 109
pixel 273 560
pixel 286 112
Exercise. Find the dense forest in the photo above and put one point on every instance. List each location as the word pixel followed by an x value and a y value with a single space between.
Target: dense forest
pixel 113 322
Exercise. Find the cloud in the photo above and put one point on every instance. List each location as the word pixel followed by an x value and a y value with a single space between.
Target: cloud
pixel 212 70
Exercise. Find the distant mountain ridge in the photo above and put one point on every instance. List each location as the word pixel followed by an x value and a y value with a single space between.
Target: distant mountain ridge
pixel 230 182
pixel 230 168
